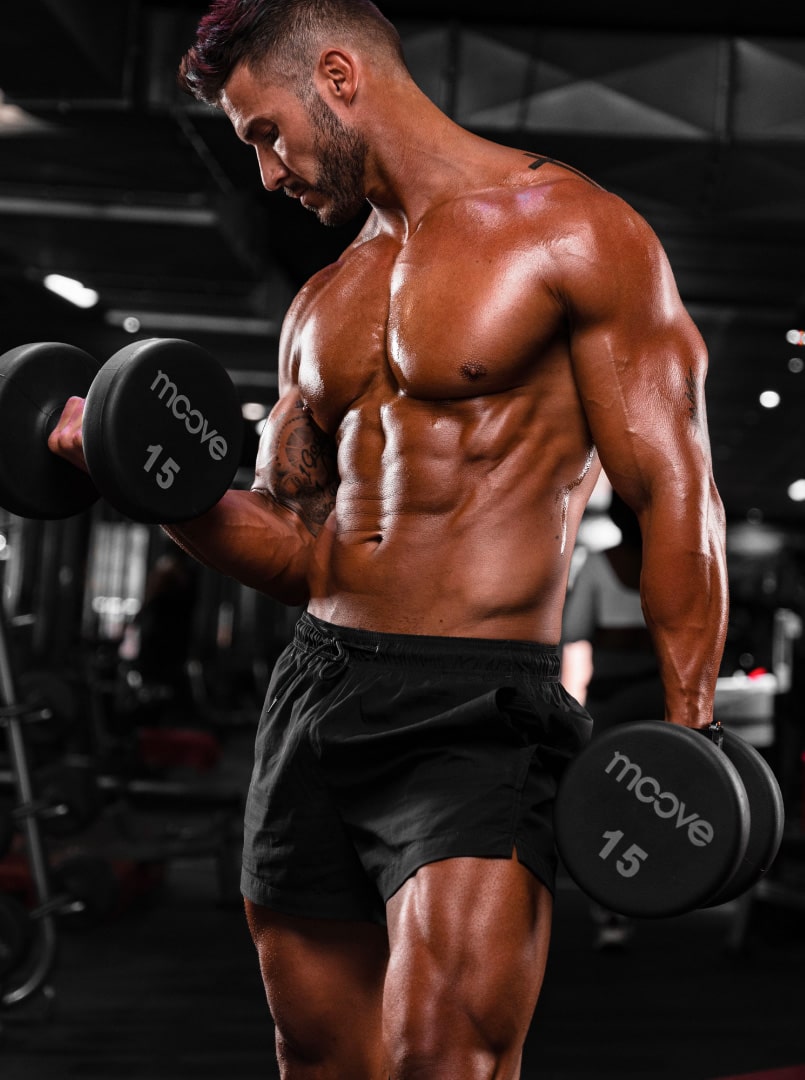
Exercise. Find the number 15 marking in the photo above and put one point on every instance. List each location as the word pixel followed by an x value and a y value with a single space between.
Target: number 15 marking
pixel 630 861
pixel 168 469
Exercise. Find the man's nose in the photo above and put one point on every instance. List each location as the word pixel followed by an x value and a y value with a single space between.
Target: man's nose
pixel 272 170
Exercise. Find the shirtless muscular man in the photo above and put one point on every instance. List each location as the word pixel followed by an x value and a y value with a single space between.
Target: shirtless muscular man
pixel 501 329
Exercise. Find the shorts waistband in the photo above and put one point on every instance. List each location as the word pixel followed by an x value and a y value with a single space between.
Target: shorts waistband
pixel 336 643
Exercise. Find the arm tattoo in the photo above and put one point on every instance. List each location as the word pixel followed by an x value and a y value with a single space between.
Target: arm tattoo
pixel 303 472
pixel 692 395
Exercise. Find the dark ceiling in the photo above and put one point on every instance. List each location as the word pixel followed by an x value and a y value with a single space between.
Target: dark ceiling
pixel 110 175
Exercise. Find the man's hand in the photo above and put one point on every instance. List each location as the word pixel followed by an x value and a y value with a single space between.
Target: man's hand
pixel 66 440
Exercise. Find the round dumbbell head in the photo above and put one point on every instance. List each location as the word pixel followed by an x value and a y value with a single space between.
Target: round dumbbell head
pixel 651 819
pixel 35 382
pixel 163 430
pixel 70 795
pixel 89 888
pixel 766 817
pixel 54 711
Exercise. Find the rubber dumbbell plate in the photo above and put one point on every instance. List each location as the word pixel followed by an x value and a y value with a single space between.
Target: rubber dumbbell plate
pixel 766 817
pixel 35 382
pixel 651 819
pixel 163 430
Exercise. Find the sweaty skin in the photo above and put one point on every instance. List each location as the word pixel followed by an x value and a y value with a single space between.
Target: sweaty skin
pixel 451 387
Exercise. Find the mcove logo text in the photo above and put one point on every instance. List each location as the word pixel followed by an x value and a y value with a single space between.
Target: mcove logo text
pixel 665 804
pixel 194 420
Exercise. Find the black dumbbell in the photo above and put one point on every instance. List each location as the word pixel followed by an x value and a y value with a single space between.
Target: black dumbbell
pixel 69 798
pixel 162 430
pixel 86 890
pixel 653 819
pixel 766 818
pixel 52 714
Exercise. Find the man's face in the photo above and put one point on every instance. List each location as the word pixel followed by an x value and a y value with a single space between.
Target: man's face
pixel 302 147
pixel 341 155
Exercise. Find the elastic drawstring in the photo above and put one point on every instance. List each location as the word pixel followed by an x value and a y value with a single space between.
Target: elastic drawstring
pixel 336 656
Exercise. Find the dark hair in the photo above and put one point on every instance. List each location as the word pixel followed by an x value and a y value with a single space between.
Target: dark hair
pixel 282 33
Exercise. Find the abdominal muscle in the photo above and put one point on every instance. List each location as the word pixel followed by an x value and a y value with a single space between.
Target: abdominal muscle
pixel 415 579
pixel 446 537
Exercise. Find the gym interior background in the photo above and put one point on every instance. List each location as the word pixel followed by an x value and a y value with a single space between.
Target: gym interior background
pixel 136 678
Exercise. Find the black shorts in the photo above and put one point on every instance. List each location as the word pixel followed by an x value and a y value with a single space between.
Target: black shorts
pixel 379 753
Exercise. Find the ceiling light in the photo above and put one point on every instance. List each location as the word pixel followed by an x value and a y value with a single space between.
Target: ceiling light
pixel 795 337
pixel 15 121
pixel 796 491
pixel 70 289
pixel 796 364
pixel 769 399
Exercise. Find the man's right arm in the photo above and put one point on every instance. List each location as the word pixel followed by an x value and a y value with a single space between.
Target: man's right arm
pixel 265 537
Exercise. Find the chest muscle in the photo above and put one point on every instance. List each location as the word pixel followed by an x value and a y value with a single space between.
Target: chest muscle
pixel 431 321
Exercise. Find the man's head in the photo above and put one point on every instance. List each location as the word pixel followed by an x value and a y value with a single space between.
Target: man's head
pixel 280 45
pixel 281 39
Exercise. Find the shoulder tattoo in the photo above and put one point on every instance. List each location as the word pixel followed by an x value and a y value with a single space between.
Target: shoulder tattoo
pixel 539 160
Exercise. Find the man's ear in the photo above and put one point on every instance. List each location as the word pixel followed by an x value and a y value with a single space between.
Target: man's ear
pixel 336 77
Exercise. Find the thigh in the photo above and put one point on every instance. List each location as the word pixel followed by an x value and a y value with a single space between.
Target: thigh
pixel 469 943
pixel 297 854
pixel 324 986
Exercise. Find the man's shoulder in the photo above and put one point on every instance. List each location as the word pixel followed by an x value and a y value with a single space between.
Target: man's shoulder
pixel 566 191
pixel 551 170
pixel 558 204
pixel 545 194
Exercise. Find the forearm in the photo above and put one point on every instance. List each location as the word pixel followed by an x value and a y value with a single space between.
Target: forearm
pixel 685 600
pixel 250 537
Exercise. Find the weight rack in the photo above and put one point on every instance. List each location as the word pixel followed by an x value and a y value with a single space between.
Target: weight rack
pixel 33 973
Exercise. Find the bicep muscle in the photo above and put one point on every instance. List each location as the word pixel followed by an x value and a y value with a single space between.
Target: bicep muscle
pixel 296 463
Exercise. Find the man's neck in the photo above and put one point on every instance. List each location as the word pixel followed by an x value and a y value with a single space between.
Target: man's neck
pixel 419 158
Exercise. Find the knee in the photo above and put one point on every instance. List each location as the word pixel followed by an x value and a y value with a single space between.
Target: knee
pixel 418 1061
pixel 441 1036
pixel 455 1020
pixel 415 1058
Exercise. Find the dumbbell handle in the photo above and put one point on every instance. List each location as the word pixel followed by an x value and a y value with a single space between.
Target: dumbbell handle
pixel 65 438
pixel 24 711
pixel 59 905
pixel 715 732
